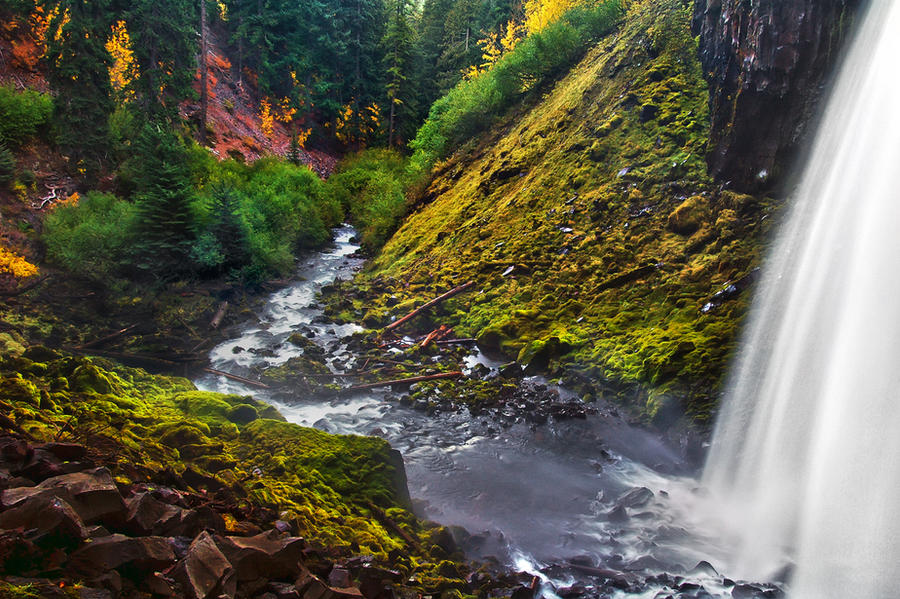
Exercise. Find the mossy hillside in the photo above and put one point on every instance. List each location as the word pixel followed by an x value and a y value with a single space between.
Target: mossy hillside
pixel 141 425
pixel 596 195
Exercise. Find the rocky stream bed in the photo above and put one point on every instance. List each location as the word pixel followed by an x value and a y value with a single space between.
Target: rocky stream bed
pixel 527 476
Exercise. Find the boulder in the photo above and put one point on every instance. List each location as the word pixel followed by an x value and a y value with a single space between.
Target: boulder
pixel 139 555
pixel 269 555
pixel 92 493
pixel 339 577
pixel 205 571
pixel 46 520
pixel 150 516
pixel 312 587
pixel 636 497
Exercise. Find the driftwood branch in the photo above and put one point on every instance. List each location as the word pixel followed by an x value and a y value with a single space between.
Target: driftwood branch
pixel 105 339
pixel 428 305
pixel 237 378
pixel 410 380
pixel 392 526
pixel 455 341
pixel 24 288
pixel 220 314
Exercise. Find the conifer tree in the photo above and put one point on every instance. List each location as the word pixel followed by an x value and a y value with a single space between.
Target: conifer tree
pixel 163 197
pixel 164 40
pixel 399 66
pixel 78 68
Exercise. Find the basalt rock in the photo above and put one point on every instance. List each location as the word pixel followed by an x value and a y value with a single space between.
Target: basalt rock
pixel 768 63
pixel 137 555
pixel 92 493
pixel 205 571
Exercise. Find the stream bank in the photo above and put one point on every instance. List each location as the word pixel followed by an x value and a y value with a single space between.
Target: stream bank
pixel 591 505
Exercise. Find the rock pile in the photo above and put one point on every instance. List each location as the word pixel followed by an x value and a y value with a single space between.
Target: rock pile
pixel 68 526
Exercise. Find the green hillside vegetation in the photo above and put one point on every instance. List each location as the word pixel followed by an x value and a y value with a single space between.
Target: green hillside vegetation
pixel 587 219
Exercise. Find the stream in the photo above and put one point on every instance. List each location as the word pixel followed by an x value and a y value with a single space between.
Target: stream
pixel 595 492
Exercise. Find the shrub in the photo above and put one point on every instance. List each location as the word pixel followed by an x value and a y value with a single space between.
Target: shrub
pixel 22 113
pixel 7 165
pixel 91 238
pixel 472 105
pixel 253 218
pixel 370 187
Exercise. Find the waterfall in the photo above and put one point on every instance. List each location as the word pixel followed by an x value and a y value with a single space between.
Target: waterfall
pixel 805 460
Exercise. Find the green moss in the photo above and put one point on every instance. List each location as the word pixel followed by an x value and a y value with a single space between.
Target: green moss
pixel 590 226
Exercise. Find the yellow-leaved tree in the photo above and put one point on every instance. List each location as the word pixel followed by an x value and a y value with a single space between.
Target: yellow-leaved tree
pixel 540 13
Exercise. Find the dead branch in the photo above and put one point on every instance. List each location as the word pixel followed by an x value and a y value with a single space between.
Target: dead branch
pixel 106 339
pixel 406 381
pixel 237 378
pixel 220 314
pixel 428 305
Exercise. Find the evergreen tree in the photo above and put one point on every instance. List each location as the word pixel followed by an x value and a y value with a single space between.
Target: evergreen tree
pixel 78 69
pixel 165 225
pixel 224 246
pixel 164 40
pixel 7 165
pixel 399 66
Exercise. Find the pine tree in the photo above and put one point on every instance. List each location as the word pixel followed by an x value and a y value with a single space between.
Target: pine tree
pixel 78 68
pixel 163 197
pixel 399 66
pixel 164 40
pixel 226 234
pixel 7 165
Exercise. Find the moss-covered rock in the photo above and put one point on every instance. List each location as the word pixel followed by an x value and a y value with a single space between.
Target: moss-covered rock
pixel 587 216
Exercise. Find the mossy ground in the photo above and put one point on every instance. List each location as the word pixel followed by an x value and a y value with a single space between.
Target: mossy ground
pixel 594 234
pixel 338 490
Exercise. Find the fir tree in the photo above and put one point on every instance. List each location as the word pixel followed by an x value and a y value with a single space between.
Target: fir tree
pixel 163 198
pixel 78 68
pixel 164 41
pixel 399 66
pixel 7 165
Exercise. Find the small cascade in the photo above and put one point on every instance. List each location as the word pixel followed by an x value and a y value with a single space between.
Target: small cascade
pixel 805 461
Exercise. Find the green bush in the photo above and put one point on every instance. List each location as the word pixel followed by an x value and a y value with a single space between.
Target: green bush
pixel 91 238
pixel 253 218
pixel 22 113
pixel 472 105
pixel 370 187
pixel 7 165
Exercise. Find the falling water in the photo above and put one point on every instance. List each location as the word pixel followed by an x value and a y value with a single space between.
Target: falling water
pixel 806 456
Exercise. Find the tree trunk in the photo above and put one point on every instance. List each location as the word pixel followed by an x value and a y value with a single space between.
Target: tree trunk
pixel 204 76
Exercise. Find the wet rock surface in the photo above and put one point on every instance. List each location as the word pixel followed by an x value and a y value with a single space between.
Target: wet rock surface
pixel 768 63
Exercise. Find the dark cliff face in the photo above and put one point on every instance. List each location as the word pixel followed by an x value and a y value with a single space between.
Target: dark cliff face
pixel 767 61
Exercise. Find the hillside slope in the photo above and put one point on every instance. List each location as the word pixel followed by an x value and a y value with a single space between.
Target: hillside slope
pixel 597 240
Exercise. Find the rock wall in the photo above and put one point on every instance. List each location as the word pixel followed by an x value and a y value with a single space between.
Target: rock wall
pixel 768 62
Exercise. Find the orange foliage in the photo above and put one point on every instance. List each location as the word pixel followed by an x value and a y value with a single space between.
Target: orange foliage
pixel 220 62
pixel 352 126
pixel 11 263
pixel 266 118
pixel 122 71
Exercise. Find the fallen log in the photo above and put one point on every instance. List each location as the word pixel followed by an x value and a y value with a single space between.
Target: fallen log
pixel 24 288
pixel 237 378
pixel 392 526
pixel 455 341
pixel 126 356
pixel 432 303
pixel 410 380
pixel 220 314
pixel 106 339
pixel 435 335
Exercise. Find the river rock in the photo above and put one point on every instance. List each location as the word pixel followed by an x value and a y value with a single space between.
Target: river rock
pixel 205 571
pixel 270 555
pixel 140 554
pixel 92 493
pixel 150 516
pixel 339 577
pixel 312 587
pixel 46 519
pixel 637 497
